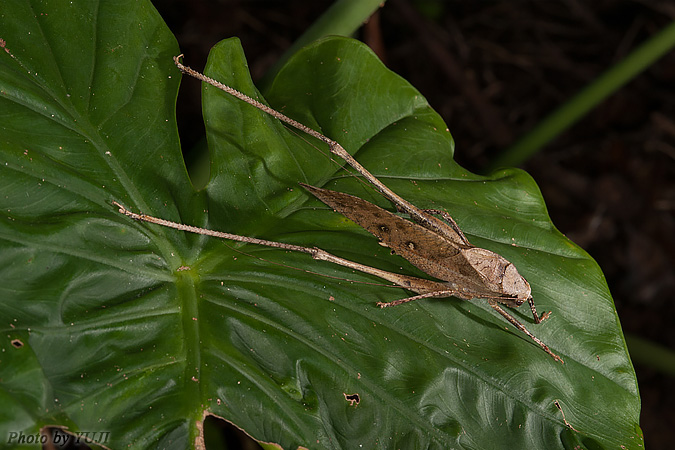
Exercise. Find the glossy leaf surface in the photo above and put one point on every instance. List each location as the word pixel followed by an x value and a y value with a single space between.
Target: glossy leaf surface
pixel 116 326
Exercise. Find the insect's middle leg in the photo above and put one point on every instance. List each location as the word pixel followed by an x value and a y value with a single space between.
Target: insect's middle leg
pixel 447 293
pixel 450 221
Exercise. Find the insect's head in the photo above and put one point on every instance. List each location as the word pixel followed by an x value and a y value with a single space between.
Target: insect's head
pixel 515 286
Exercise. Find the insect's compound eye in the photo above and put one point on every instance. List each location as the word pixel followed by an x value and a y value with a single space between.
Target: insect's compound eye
pixel 512 300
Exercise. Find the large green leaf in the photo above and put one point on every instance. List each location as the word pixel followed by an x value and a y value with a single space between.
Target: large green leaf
pixel 111 325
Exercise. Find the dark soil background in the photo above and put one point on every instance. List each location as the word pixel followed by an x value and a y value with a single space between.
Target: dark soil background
pixel 493 69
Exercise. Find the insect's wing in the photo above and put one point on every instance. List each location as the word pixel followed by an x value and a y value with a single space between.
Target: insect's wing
pixel 423 248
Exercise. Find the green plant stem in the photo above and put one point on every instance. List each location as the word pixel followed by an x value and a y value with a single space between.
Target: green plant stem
pixel 343 18
pixel 646 353
pixel 589 97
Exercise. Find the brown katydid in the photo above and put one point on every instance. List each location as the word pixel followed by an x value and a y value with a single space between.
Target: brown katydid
pixel 437 247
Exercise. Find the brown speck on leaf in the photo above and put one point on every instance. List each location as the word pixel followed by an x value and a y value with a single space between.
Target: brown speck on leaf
pixel 557 404
pixel 3 44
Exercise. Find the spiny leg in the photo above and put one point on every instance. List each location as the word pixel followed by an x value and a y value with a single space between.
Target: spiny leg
pixel 407 282
pixel 512 320
pixel 522 328
pixel 537 319
pixel 335 148
pixel 447 293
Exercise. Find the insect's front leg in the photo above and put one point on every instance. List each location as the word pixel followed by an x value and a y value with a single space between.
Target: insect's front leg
pixel 522 328
pixel 537 319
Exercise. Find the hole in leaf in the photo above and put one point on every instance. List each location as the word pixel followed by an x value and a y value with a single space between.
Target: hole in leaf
pixel 219 433
pixel 353 399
